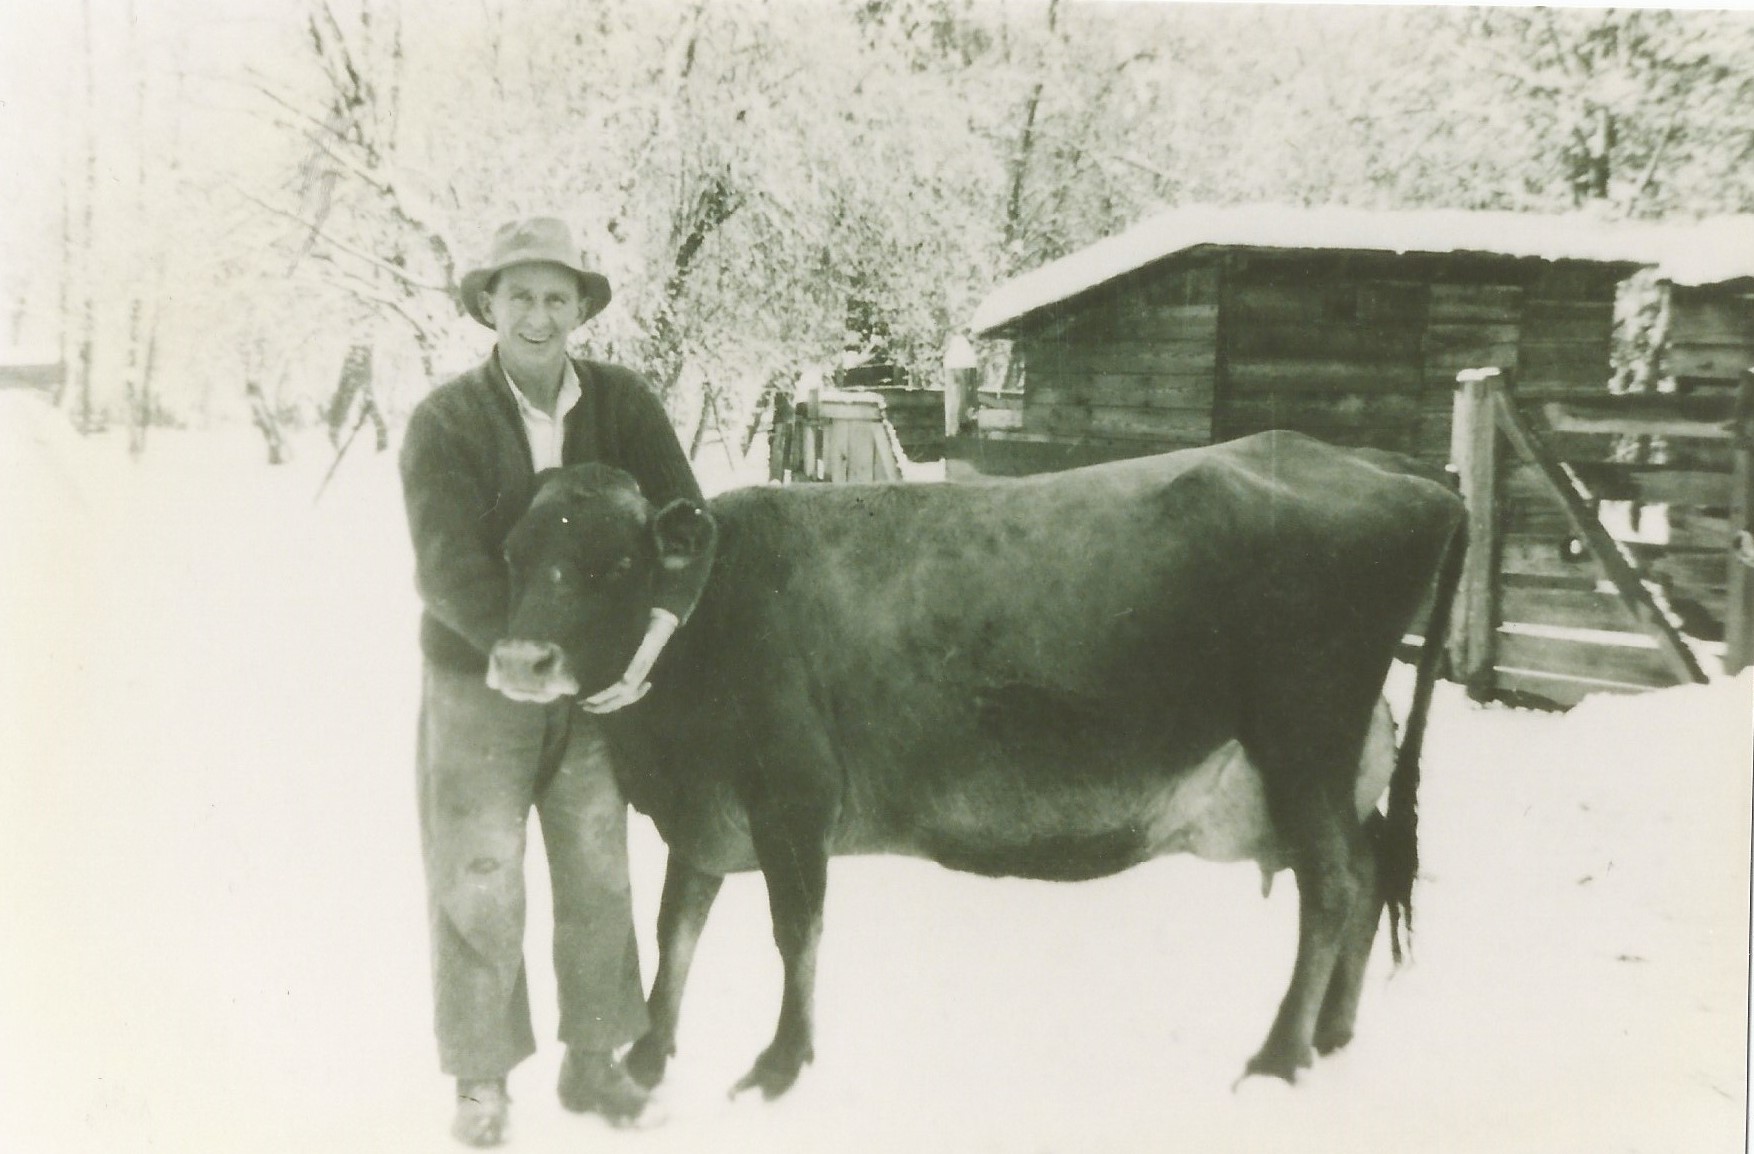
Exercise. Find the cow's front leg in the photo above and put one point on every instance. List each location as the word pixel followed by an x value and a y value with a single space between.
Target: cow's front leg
pixel 682 913
pixel 792 847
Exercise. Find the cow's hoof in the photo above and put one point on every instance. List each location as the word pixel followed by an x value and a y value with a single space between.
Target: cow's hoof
pixel 594 1083
pixel 647 1059
pixel 1282 1062
pixel 1331 1039
pixel 773 1073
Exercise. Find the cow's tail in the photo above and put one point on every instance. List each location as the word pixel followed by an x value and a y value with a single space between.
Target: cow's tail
pixel 1398 851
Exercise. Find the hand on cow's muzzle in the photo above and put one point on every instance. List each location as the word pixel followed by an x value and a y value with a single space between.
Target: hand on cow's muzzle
pixel 618 696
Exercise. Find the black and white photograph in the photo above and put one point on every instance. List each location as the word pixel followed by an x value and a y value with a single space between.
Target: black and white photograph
pixel 875 576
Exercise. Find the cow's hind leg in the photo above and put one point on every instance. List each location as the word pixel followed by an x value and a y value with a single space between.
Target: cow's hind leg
pixel 1328 895
pixel 1340 1007
pixel 791 845
pixel 682 913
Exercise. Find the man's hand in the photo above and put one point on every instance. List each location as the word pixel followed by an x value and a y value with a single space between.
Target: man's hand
pixel 618 696
pixel 633 684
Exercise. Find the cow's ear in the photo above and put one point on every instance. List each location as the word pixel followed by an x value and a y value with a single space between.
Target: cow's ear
pixel 686 536
pixel 685 532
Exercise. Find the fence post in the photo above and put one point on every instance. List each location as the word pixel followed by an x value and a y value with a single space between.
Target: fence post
pixel 782 438
pixel 1473 641
pixel 962 376
pixel 1739 617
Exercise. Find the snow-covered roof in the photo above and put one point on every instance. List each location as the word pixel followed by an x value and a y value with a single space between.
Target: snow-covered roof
pixel 1713 251
pixel 1706 253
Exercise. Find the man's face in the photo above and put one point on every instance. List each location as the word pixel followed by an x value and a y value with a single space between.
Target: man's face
pixel 533 307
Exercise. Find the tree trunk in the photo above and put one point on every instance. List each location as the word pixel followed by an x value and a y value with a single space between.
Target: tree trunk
pixel 139 399
pixel 1014 224
pixel 1020 169
pixel 263 417
pixel 88 307
pixel 1592 158
pixel 712 208
pixel 64 305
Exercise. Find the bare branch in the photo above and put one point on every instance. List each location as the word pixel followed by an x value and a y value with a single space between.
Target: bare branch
pixel 316 231
pixel 313 124
pixel 368 293
pixel 385 188
pixel 1559 49
pixel 1656 158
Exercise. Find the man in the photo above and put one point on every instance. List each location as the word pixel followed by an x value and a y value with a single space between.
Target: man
pixel 472 451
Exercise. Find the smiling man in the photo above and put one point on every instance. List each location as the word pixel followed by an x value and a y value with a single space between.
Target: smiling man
pixel 469 462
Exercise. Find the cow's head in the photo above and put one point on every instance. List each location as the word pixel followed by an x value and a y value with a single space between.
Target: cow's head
pixel 590 560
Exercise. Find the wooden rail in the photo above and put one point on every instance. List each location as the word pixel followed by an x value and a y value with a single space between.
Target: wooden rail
pixel 1619 567
pixel 1551 649
pixel 1696 418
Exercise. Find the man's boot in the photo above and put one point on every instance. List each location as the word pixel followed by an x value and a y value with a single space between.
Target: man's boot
pixel 483 1109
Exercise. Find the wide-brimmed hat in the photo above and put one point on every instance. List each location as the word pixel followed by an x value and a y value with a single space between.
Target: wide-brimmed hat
pixel 535 240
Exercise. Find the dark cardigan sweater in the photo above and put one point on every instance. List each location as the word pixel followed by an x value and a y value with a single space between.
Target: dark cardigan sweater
pixel 467 478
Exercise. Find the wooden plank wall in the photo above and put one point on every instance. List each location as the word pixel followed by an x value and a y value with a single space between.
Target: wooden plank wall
pixel 1327 344
pixel 1468 326
pixel 1565 342
pixel 1709 351
pixel 1710 337
pixel 1129 373
pixel 917 416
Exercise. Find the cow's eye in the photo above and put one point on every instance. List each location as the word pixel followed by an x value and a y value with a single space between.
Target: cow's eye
pixel 611 572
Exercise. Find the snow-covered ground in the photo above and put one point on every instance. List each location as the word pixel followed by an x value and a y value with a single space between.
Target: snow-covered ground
pixel 211 929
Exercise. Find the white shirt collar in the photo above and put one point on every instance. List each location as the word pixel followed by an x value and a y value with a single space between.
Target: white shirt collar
pixel 547 435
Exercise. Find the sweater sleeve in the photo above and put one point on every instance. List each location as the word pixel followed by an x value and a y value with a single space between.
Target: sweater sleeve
pixel 651 452
pixel 649 447
pixel 460 578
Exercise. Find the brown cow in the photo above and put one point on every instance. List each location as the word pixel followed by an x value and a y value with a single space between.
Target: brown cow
pixel 1057 677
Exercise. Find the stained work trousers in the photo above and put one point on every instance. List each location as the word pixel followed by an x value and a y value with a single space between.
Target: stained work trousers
pixel 483 762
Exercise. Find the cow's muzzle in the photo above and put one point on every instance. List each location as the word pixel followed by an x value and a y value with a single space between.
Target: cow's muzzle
pixel 530 671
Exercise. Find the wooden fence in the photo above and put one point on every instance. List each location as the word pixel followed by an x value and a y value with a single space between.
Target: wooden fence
pixel 838 435
pixel 1554 605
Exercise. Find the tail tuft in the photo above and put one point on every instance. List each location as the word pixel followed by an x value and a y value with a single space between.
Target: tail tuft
pixel 1398 843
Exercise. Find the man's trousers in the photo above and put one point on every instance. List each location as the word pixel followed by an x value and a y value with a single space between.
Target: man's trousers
pixel 483 762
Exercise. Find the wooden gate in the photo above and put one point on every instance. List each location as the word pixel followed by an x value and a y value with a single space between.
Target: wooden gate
pixel 1554 605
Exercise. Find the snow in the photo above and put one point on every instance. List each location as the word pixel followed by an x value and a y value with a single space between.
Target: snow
pixel 1715 250
pixel 211 900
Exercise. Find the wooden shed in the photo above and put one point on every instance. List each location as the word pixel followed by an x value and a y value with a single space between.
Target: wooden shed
pixel 1201 325
pixel 1204 324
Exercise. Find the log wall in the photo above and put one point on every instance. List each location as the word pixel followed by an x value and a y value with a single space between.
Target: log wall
pixel 1131 373
pixel 1327 344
